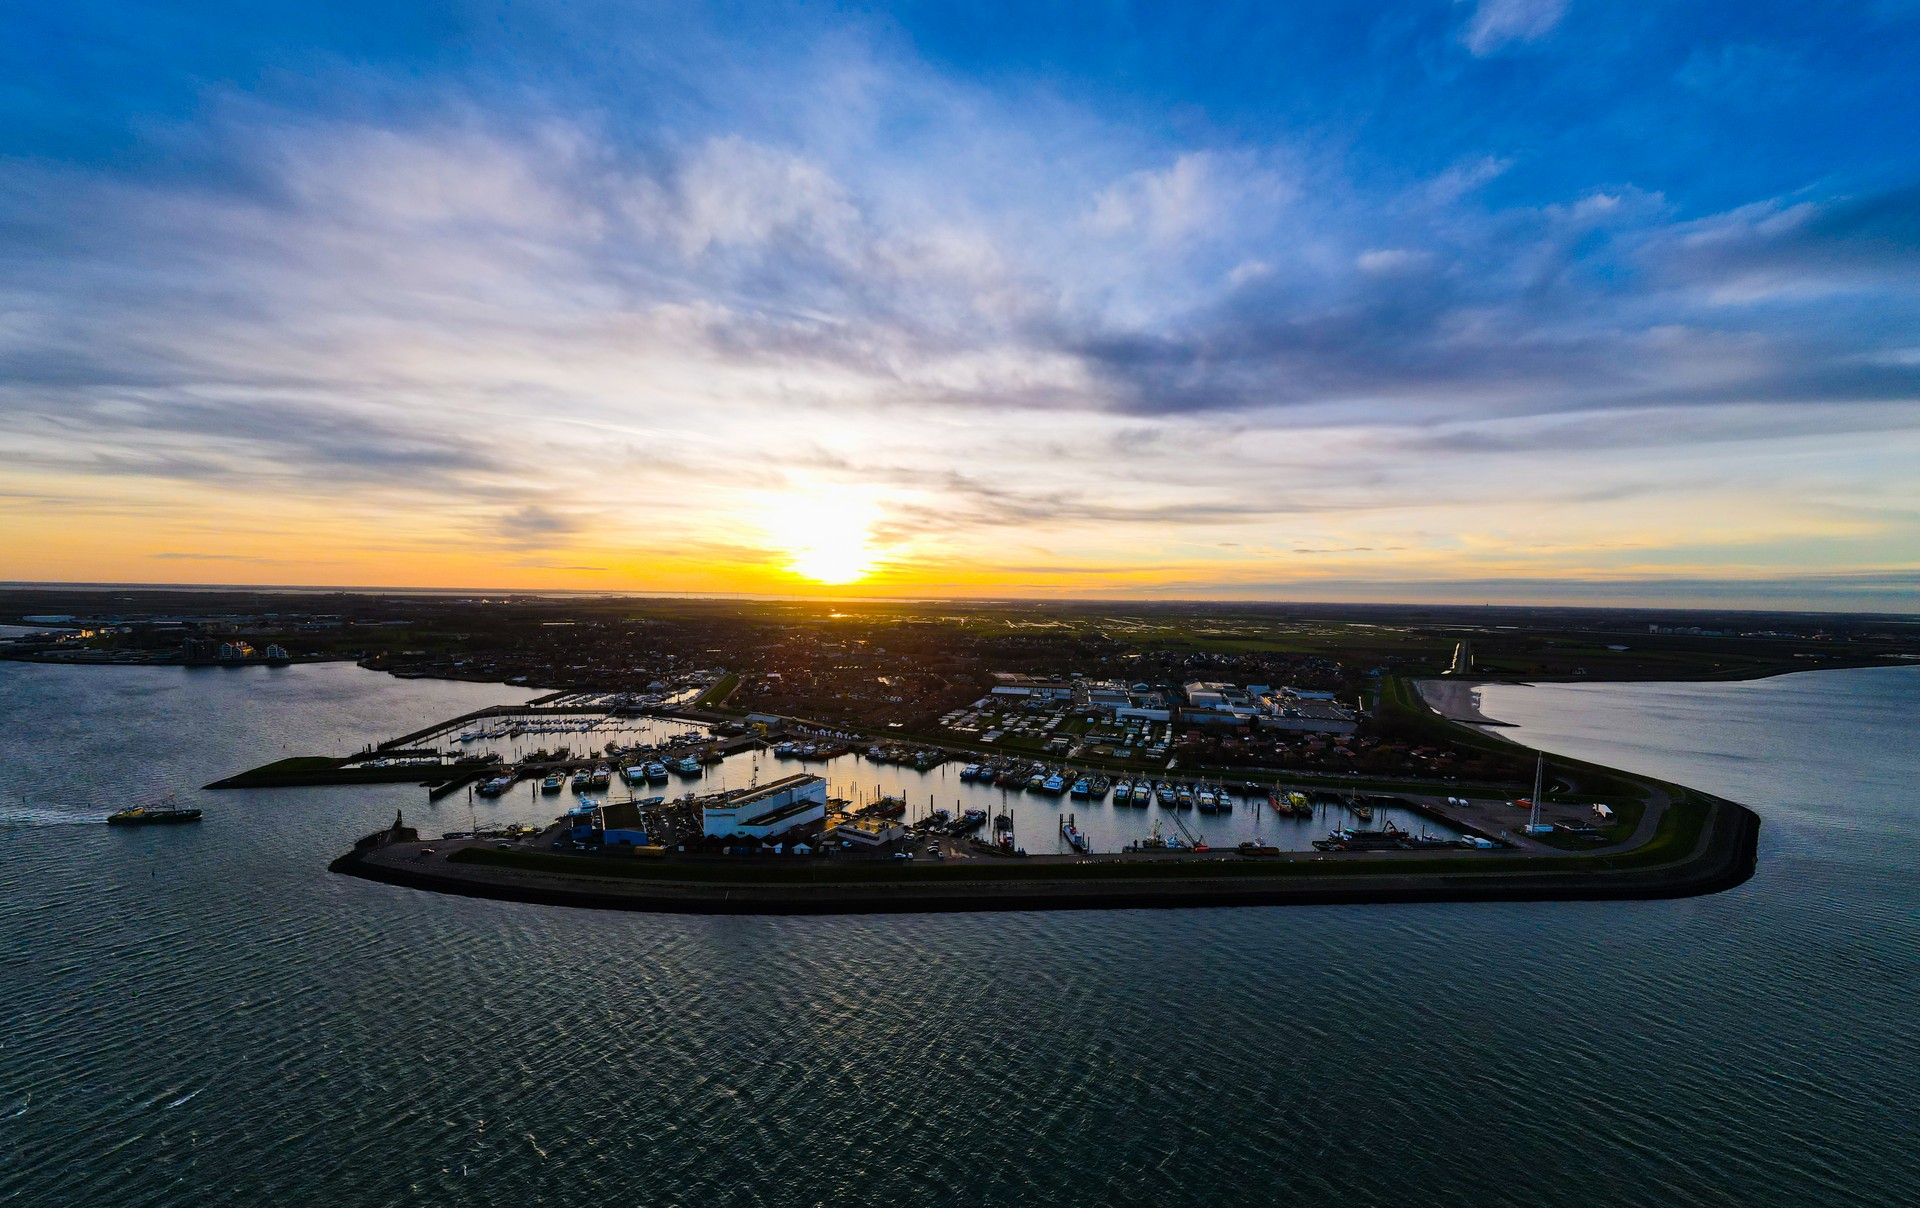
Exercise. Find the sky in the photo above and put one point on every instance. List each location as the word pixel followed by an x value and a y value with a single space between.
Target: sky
pixel 1449 300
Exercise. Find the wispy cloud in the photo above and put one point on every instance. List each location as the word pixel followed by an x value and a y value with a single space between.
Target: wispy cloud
pixel 632 309
pixel 1496 24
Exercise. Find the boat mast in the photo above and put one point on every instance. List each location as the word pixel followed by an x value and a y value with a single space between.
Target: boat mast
pixel 1539 779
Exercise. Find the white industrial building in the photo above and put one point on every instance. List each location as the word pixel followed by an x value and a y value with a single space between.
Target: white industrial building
pixel 772 809
pixel 1138 702
pixel 1216 704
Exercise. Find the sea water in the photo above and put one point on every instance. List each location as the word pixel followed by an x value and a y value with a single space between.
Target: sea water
pixel 203 1015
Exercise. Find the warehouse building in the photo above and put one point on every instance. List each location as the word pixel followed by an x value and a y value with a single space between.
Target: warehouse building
pixel 772 809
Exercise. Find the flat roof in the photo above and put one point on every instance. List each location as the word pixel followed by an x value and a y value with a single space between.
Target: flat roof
pixel 798 806
pixel 770 788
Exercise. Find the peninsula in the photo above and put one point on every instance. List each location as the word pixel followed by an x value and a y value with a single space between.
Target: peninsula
pixel 1082 755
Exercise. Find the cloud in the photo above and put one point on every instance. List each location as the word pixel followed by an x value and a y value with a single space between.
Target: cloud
pixel 637 313
pixel 1497 24
pixel 534 525
pixel 1391 261
pixel 1191 196
pixel 734 193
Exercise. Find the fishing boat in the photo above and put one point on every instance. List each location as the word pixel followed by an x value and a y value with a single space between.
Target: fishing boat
pixel 689 766
pixel 656 773
pixel 1157 842
pixel 1389 838
pixel 154 813
pixel 1099 788
pixel 1082 787
pixel 553 783
pixel 1054 785
pixel 1075 839
pixel 1123 792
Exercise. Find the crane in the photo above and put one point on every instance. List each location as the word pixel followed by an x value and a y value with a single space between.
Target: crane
pixel 1196 842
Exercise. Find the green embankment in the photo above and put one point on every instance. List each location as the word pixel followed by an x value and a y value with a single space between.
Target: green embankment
pixel 1400 701
pixel 717 695
pixel 305 770
pixel 1678 834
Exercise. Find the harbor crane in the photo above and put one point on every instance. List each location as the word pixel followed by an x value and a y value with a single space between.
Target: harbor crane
pixel 1196 842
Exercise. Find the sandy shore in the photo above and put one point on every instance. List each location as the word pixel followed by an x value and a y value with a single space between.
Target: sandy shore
pixel 1456 700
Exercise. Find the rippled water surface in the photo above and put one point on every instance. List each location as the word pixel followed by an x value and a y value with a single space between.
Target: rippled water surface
pixel 202 1015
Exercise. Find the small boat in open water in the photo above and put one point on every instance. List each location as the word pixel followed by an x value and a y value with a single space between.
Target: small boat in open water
pixel 153 813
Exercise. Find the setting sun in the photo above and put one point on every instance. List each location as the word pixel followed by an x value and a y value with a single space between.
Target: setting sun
pixel 827 538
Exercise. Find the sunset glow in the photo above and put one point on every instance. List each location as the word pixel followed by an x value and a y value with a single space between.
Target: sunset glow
pixel 825 538
pixel 1449 334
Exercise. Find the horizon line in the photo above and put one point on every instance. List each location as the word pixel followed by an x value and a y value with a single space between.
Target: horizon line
pixel 607 593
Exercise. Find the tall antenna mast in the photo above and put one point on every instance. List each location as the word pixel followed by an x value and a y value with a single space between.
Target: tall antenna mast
pixel 1539 779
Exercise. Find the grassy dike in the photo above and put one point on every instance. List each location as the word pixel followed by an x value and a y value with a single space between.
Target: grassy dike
pixel 716 696
pixel 304 771
pixel 1704 845
pixel 1678 835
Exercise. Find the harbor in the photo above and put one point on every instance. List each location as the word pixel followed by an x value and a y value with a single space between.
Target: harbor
pixel 539 762
pixel 813 819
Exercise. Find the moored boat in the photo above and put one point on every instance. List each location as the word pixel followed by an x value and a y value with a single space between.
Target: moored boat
pixel 1075 838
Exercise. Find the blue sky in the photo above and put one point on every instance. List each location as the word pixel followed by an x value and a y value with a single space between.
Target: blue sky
pixel 1529 299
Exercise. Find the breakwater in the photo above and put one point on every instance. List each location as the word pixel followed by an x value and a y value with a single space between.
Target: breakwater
pixel 1720 858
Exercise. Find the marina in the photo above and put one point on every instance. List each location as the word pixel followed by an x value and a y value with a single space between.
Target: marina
pixel 688 759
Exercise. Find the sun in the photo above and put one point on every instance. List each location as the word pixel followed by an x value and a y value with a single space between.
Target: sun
pixel 824 536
